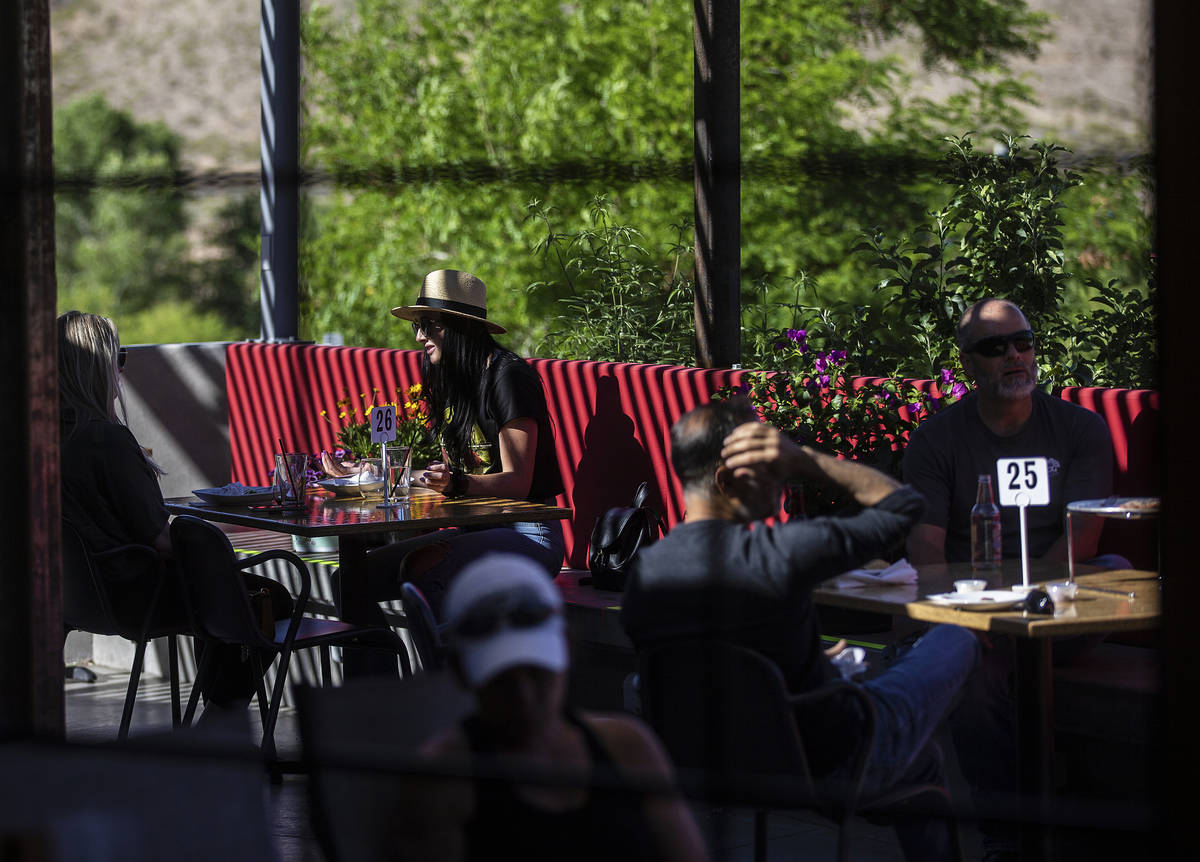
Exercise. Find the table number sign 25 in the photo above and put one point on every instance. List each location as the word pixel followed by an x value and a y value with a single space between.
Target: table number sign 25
pixel 1023 481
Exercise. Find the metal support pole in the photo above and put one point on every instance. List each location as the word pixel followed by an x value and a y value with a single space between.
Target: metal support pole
pixel 279 197
pixel 31 623
pixel 717 160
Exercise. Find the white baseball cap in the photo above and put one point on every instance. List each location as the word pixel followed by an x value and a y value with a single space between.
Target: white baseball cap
pixel 503 611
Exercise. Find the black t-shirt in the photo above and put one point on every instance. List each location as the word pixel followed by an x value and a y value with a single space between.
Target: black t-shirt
pixel 947 453
pixel 109 490
pixel 752 585
pixel 512 390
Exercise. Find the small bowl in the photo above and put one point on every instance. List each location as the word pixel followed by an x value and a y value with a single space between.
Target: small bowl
pixel 1061 592
pixel 970 585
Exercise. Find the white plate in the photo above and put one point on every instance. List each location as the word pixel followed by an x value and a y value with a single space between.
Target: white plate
pixel 254 496
pixel 1129 508
pixel 352 486
pixel 983 600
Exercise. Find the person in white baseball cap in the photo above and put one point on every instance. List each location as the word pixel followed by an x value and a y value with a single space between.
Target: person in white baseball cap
pixel 506 637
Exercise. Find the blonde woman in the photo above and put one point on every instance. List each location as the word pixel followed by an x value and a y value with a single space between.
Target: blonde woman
pixel 110 491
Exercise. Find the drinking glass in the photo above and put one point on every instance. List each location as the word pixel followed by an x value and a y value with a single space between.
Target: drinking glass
pixel 370 477
pixel 398 468
pixel 290 486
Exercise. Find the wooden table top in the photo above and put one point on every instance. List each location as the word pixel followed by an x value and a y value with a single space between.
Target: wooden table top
pixel 1091 612
pixel 326 515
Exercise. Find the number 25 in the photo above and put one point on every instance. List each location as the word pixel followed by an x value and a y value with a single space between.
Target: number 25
pixel 1014 472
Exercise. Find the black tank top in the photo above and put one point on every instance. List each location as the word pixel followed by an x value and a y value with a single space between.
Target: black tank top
pixel 608 826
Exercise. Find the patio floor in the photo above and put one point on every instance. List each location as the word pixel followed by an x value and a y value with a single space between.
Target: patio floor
pixel 93 713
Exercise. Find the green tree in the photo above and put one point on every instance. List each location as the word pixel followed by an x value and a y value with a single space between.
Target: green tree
pixel 119 230
pixel 440 122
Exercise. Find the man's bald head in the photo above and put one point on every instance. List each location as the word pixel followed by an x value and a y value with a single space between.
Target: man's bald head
pixel 986 311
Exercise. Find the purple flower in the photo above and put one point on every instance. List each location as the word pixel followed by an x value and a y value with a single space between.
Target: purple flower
pixel 958 390
pixel 837 357
pixel 821 362
pixel 798 337
pixel 947 376
pixel 916 408
pixel 823 380
pixel 779 345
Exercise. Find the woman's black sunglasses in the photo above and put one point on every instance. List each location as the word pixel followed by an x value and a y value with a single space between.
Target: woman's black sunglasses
pixel 519 611
pixel 428 324
pixel 122 355
pixel 997 345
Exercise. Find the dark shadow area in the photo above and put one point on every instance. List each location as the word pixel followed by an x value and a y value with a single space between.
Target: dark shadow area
pixel 150 800
pixel 614 463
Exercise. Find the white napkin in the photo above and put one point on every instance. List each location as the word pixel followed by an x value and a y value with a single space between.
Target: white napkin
pixel 899 572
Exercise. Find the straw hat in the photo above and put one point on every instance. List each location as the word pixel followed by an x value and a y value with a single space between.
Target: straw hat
pixel 450 292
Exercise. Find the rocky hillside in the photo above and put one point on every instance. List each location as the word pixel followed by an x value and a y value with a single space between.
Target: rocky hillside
pixel 194 65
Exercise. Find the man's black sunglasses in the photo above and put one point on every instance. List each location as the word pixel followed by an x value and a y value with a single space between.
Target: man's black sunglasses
pixel 997 345
pixel 428 324
pixel 519 611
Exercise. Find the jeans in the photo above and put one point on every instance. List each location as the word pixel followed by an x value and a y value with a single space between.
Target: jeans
pixel 911 699
pixel 540 542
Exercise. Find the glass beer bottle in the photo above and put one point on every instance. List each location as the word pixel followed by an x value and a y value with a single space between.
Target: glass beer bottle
pixel 985 527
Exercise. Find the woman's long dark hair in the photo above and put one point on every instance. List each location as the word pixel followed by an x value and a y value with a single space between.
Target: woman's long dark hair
pixel 455 382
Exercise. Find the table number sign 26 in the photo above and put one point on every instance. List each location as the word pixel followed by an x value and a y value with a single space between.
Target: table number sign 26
pixel 383 423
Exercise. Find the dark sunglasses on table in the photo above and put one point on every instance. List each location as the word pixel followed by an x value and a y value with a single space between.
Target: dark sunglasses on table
pixel 427 325
pixel 122 355
pixel 1039 602
pixel 997 345
pixel 519 610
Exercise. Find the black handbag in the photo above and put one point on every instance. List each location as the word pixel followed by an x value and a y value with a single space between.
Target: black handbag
pixel 617 536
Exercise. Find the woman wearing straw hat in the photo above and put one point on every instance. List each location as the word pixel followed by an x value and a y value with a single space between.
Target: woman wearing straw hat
pixel 489 411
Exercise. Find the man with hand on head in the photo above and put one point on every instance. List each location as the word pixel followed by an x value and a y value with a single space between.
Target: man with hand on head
pixel 726 574
pixel 507 641
pixel 1006 416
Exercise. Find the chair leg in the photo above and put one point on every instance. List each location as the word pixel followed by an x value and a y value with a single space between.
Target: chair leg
pixel 268 742
pixel 760 835
pixel 326 667
pixel 260 687
pixel 135 674
pixel 202 674
pixel 173 658
pixel 843 839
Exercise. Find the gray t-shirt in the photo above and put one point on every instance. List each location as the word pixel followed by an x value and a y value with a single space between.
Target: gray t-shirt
pixel 948 452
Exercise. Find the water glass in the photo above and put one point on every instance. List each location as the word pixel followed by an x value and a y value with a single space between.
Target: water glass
pixel 399 465
pixel 290 487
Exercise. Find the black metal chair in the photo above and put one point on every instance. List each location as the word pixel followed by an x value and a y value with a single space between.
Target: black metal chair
pixel 726 718
pixel 221 612
pixel 88 606
pixel 422 627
